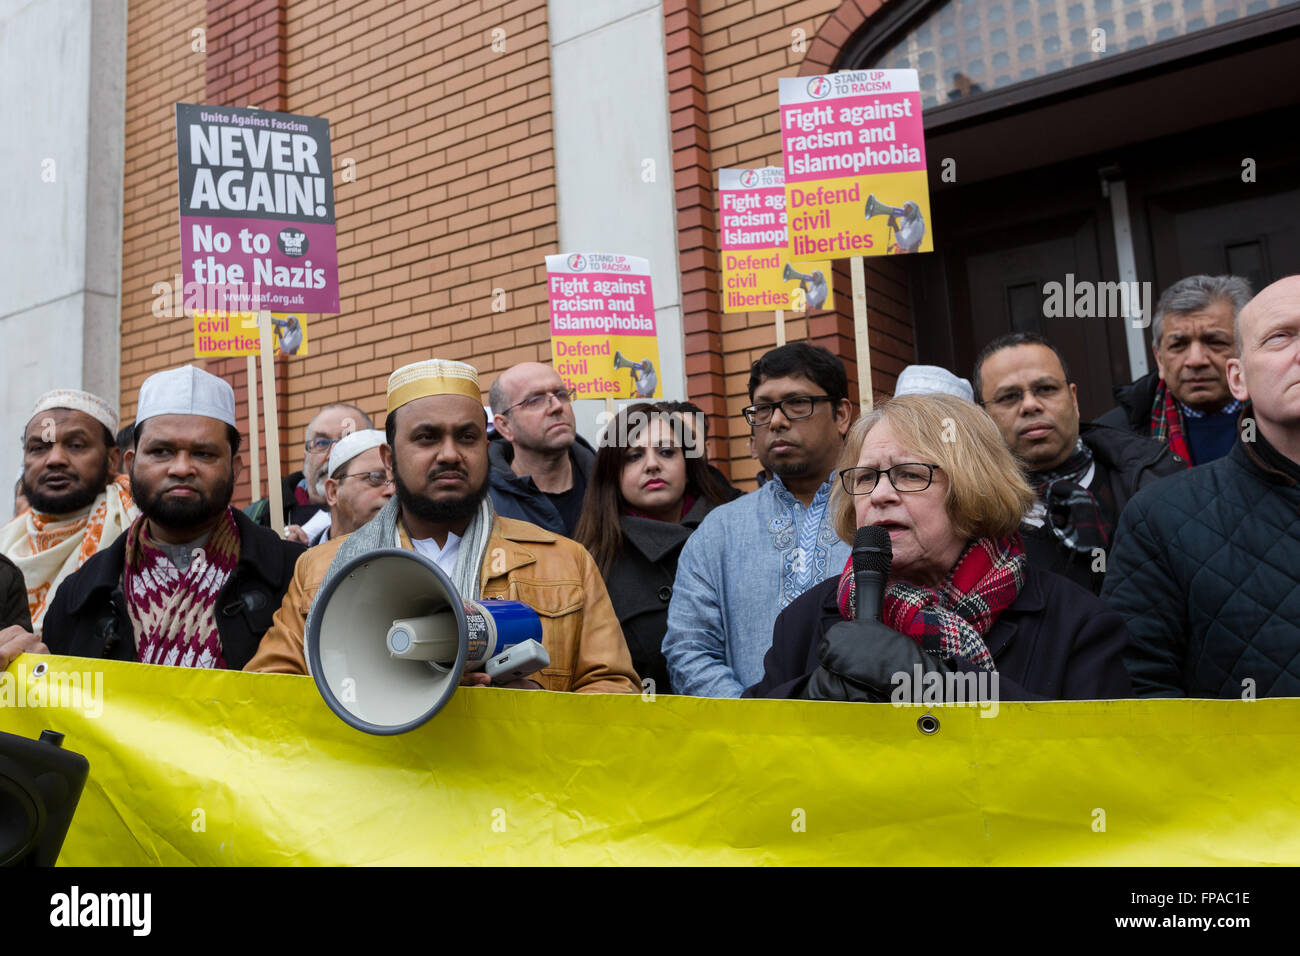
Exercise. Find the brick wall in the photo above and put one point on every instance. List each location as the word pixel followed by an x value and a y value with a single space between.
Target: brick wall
pixel 454 195
pixel 454 191
pixel 747 45
pixel 161 70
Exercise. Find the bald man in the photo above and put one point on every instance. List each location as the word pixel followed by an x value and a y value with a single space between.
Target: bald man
pixel 540 464
pixel 1206 564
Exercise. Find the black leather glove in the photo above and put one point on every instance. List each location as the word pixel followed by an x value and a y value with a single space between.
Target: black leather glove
pixel 860 658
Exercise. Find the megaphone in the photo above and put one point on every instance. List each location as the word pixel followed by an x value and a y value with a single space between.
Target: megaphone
pixel 621 362
pixel 392 638
pixel 790 274
pixel 877 208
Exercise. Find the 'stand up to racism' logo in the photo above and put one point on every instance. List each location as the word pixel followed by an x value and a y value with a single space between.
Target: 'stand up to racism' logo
pixel 576 262
pixel 818 87
pixel 749 178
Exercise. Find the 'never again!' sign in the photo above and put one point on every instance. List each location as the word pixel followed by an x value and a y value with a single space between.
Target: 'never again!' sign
pixel 257 208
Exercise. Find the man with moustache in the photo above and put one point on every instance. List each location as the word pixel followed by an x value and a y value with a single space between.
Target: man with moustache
pixel 1185 401
pixel 306 510
pixel 1205 570
pixel 1084 474
pixel 437 451
pixel 192 582
pixel 78 504
pixel 540 464
pixel 753 556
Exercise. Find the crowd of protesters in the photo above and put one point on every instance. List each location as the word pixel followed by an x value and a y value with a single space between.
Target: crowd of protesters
pixel 1153 552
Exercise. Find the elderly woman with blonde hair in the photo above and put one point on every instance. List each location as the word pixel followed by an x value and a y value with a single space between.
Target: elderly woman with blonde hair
pixel 960 598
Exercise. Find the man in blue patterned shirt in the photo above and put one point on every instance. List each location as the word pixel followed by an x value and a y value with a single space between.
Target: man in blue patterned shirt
pixel 750 558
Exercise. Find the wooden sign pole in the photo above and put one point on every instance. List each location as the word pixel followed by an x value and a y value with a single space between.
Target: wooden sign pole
pixel 273 489
pixel 254 460
pixel 858 274
pixel 780 327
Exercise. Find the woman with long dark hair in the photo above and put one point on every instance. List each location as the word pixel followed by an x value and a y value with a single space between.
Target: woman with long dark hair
pixel 650 487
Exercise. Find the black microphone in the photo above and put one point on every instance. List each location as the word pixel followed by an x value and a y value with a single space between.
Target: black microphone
pixel 872 556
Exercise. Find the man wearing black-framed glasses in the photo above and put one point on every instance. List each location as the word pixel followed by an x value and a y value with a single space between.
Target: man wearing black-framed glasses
pixel 540 464
pixel 750 558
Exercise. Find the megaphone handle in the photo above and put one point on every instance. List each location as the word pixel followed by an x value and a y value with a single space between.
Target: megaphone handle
pixel 517 661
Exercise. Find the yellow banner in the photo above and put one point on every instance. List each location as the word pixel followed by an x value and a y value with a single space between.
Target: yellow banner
pixel 209 767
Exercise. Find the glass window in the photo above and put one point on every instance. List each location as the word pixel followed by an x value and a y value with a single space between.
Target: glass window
pixel 950 46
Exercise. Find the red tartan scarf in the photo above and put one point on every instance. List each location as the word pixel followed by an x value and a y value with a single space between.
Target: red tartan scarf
pixel 173 613
pixel 1167 423
pixel 953 620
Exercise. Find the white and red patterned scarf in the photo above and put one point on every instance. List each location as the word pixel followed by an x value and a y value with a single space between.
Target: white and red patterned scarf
pixel 953 620
pixel 48 548
pixel 172 613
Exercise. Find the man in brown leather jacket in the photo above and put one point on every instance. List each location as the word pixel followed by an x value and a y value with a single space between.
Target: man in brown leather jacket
pixel 438 453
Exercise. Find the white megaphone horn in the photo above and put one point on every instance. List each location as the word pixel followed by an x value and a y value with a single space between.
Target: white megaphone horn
pixel 391 638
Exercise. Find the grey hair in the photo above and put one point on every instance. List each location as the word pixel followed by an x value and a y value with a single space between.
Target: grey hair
pixel 497 397
pixel 1195 293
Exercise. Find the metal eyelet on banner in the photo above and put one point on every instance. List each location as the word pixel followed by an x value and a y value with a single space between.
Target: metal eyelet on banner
pixel 928 724
pixel 40 669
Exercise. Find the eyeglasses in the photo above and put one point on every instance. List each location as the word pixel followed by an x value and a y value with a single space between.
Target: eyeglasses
pixel 908 477
pixel 375 479
pixel 534 402
pixel 800 406
pixel 1043 391
pixel 320 443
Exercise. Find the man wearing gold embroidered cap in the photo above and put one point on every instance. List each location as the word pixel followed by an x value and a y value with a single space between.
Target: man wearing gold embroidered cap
pixel 438 453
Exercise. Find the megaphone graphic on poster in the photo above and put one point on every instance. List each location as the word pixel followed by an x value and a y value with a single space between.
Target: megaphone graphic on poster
pixel 877 208
pixel 815 288
pixel 391 639
pixel 790 274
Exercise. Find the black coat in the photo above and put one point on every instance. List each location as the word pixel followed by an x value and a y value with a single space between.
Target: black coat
pixel 1133 411
pixel 88 617
pixel 517 496
pixel 1126 463
pixel 13 596
pixel 1055 642
pixel 640 584
pixel 1206 571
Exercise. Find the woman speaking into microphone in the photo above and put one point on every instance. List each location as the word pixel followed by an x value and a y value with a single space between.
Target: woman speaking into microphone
pixel 959 597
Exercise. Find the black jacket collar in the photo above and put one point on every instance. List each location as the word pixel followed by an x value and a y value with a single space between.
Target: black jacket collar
pixel 1120 450
pixel 1136 399
pixel 262 554
pixel 655 539
pixel 501 453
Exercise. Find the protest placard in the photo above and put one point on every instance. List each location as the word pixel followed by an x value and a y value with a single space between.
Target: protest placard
pixel 257 208
pixel 603 337
pixel 854 157
pixel 227 334
pixel 757 270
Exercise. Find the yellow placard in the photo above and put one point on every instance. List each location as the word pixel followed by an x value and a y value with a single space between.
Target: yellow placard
pixel 228 334
pixel 214 767
pixel 840 217
pixel 768 279
pixel 853 155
